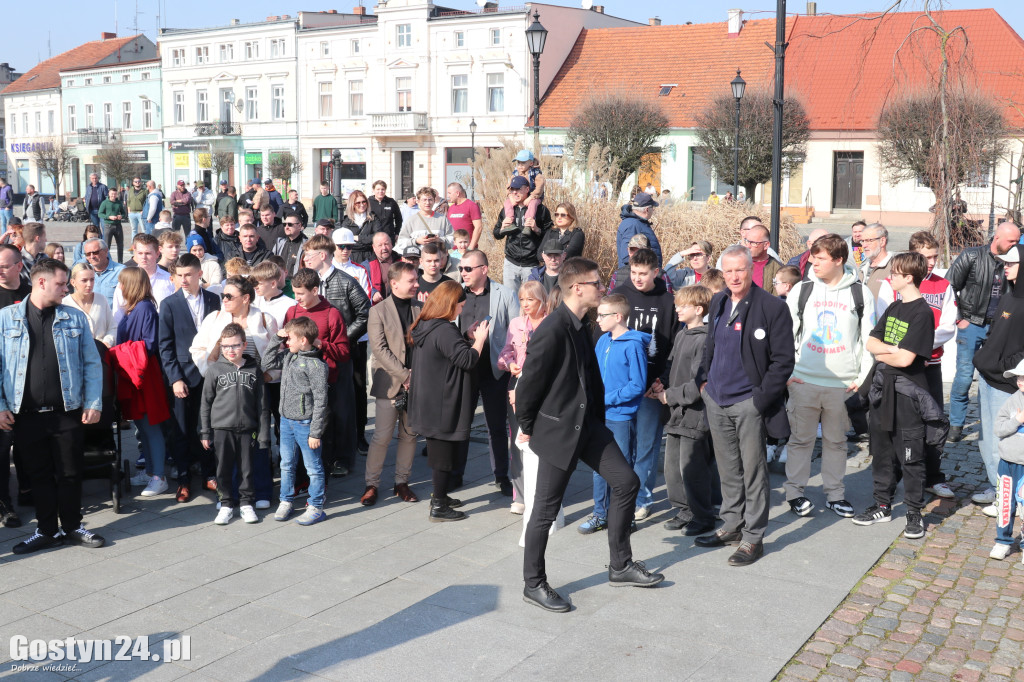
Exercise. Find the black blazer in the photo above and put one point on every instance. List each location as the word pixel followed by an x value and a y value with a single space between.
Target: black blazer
pixel 176 333
pixel 767 352
pixel 551 395
pixel 441 390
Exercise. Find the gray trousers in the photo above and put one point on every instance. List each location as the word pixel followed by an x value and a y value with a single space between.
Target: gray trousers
pixel 384 428
pixel 738 434
pixel 810 405
pixel 514 276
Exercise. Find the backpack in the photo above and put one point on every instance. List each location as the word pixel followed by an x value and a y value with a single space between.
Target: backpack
pixel 805 295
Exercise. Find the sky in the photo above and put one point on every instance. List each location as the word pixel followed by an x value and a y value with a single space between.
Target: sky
pixel 36 39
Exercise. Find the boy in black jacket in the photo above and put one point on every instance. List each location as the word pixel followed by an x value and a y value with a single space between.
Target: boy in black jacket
pixel 233 418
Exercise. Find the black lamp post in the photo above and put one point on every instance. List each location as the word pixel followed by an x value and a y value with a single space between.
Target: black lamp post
pixel 472 144
pixel 336 181
pixel 738 86
pixel 536 36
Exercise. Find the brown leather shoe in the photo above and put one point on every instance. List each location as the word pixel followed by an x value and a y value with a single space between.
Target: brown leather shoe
pixel 369 497
pixel 748 553
pixel 183 493
pixel 407 495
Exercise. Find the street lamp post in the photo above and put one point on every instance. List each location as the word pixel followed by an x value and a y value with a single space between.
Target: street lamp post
pixel 472 144
pixel 336 181
pixel 536 36
pixel 738 86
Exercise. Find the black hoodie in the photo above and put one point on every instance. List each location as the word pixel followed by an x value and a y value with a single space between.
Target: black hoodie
pixel 1004 347
pixel 652 312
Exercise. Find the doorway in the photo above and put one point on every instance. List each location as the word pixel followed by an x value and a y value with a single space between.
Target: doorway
pixel 848 180
pixel 406 181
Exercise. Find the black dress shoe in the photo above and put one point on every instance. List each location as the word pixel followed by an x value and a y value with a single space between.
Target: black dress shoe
pixel 956 434
pixel 440 512
pixel 719 538
pixel 635 574
pixel 37 542
pixel 83 538
pixel 676 523
pixel 505 485
pixel 698 527
pixel 546 598
pixel 8 517
pixel 452 502
pixel 748 553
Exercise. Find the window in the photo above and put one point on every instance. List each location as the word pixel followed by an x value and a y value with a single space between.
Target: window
pixel 49 122
pixel 495 92
pixel 145 75
pixel 202 107
pixel 326 99
pixel 202 54
pixel 178 57
pixel 88 81
pixel 24 123
pixel 72 119
pixel 460 39
pixel 325 48
pixel 14 124
pixel 106 79
pixel 277 101
pixel 251 111
pixel 147 114
pixel 460 94
pixel 403 93
pixel 353 46
pixel 71 83
pixel 495 36
pixel 125 78
pixel 277 47
pixel 355 98
pixel 108 115
pixel 252 49
pixel 403 35
pixel 88 116
pixel 39 123
pixel 126 115
pixel 227 52
pixel 666 90
pixel 179 107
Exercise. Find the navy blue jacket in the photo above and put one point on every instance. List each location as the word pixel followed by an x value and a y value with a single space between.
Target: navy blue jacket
pixel 177 330
pixel 99 192
pixel 632 224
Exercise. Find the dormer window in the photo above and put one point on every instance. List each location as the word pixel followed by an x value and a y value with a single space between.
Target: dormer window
pixel 666 90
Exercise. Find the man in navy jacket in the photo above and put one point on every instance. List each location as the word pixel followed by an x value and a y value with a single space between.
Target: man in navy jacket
pixel 181 314
pixel 745 400
pixel 95 193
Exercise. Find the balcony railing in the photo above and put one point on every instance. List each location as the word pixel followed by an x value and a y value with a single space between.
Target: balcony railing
pixel 96 135
pixel 404 122
pixel 220 128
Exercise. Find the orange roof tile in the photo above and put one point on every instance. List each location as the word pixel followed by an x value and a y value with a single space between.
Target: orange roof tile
pixel 843 67
pixel 46 75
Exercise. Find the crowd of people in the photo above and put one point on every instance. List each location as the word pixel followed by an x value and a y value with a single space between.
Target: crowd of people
pixel 256 347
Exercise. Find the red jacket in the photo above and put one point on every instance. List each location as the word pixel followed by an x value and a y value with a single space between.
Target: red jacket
pixel 332 335
pixel 140 384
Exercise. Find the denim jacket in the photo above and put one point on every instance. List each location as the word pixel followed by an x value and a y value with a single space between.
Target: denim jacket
pixel 81 371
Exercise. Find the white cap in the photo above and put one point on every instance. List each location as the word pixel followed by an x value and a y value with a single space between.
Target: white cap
pixel 1017 371
pixel 1011 256
pixel 343 237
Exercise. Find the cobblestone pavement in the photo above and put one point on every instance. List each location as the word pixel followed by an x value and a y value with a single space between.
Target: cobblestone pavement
pixel 932 609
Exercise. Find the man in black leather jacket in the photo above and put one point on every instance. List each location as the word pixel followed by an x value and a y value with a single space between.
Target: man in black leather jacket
pixel 977 280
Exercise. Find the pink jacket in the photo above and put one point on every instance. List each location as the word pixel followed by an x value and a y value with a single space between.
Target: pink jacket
pixel 520 329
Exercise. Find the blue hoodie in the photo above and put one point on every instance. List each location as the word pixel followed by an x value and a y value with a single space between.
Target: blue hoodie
pixel 633 224
pixel 623 363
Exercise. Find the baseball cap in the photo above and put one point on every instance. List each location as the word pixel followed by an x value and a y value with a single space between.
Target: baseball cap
pixel 268 181
pixel 254 181
pixel 181 183
pixel 524 155
pixel 639 241
pixel 326 222
pixel 1017 371
pixel 343 237
pixel 1011 256
pixel 224 183
pixel 643 200
pixel 552 247
pixel 518 182
pixel 411 252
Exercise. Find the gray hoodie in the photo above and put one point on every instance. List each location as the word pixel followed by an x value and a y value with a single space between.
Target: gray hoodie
pixel 303 384
pixel 1010 431
pixel 233 400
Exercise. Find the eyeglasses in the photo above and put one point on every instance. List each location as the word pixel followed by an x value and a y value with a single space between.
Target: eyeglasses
pixel 231 346
pixel 560 214
pixel 470 268
pixel 751 243
pixel 601 316
pixel 872 239
pixel 596 283
pixel 777 282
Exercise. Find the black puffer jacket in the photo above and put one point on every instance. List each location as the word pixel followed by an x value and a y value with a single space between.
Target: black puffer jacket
pixel 344 293
pixel 683 394
pixel 971 277
pixel 230 245
pixel 1004 347
pixel 936 424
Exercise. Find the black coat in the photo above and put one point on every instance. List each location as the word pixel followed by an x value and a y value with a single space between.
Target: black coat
pixel 1004 347
pixel 177 330
pixel 296 209
pixel 441 390
pixel 682 394
pixel 768 360
pixel 364 235
pixel 551 395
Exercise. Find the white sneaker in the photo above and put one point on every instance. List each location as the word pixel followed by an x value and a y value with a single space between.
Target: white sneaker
pixel 224 515
pixel 641 513
pixel 517 508
pixel 141 479
pixel 986 496
pixel 941 490
pixel 262 504
pixel 284 510
pixel 248 514
pixel 783 454
pixel 770 449
pixel 156 486
pixel 999 551
pixel 992 511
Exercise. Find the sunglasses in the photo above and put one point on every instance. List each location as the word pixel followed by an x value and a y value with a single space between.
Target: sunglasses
pixel 470 268
pixel 228 297
pixel 561 214
pixel 345 247
pixel 360 203
pixel 293 224
pixel 90 254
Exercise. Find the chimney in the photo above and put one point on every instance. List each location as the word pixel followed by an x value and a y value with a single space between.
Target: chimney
pixel 273 18
pixel 735 21
pixel 332 11
pixel 654 21
pixel 285 16
pixel 599 9
pixel 359 10
pixel 106 35
pixel 812 9
pixel 235 22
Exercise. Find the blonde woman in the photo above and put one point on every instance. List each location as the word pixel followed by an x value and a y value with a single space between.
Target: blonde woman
pixel 569 233
pixel 363 223
pixel 95 307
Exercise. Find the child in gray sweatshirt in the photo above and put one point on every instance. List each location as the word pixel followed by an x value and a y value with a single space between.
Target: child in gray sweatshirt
pixel 1009 428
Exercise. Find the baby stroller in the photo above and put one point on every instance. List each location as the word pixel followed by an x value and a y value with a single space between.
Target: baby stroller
pixel 103 440
pixel 72 211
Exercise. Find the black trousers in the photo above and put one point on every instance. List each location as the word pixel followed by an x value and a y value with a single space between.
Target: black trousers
pixel 600 452
pixel 51 444
pixel 181 432
pixel 235 449
pixel 184 222
pixel 444 456
pixel 898 454
pixel 111 234
pixel 359 382
pixel 932 455
pixel 495 397
pixel 691 477
pixel 6 454
pixel 340 432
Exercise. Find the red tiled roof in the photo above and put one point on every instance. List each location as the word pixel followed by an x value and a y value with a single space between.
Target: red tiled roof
pixel 843 67
pixel 46 75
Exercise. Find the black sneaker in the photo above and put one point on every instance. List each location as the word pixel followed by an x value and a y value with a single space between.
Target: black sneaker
pixel 8 517
pixel 84 538
pixel 37 542
pixel 440 512
pixel 915 526
pixel 633 574
pixel 841 508
pixel 677 522
pixel 801 506
pixel 876 513
pixel 505 485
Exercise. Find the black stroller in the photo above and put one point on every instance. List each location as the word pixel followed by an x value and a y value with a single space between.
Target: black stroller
pixel 103 440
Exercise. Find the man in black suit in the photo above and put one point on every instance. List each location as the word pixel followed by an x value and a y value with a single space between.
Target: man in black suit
pixel 181 313
pixel 560 407
pixel 744 400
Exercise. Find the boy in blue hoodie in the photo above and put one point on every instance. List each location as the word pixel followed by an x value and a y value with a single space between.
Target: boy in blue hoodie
pixel 622 357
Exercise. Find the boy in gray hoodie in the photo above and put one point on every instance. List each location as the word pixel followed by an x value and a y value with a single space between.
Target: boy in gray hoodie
pixel 1009 429
pixel 303 406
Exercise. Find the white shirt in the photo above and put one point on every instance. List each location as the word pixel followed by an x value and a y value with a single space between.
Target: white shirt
pixel 324 276
pixel 162 287
pixel 358 272
pixel 195 306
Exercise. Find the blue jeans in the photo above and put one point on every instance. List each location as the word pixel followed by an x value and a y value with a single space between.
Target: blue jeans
pixel 94 217
pixel 648 447
pixel 137 223
pixel 151 440
pixel 5 217
pixel 990 401
pixel 625 437
pixel 295 434
pixel 968 340
pixel 150 227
